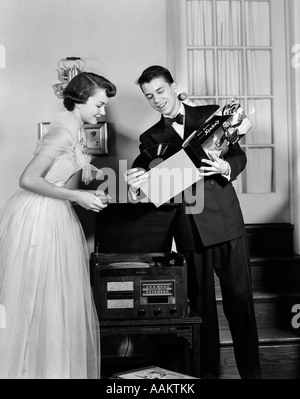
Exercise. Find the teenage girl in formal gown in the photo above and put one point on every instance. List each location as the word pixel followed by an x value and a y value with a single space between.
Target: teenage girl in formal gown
pixel 51 326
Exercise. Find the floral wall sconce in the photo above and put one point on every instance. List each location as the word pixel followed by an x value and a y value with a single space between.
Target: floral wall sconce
pixel 68 68
pixel 2 56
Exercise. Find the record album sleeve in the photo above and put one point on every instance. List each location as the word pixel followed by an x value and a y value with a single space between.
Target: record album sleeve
pixel 226 126
pixel 170 178
pixel 152 372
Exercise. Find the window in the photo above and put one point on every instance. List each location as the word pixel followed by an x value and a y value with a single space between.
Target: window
pixel 229 56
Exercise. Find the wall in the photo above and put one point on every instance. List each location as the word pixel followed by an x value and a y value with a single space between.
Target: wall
pixel 116 38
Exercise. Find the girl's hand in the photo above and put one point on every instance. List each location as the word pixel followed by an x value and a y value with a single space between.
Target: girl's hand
pixel 89 201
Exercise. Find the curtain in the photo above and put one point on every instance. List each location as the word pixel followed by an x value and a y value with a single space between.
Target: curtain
pixel 229 55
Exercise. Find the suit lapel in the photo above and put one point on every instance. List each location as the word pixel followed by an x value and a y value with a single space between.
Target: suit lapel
pixel 164 134
pixel 193 120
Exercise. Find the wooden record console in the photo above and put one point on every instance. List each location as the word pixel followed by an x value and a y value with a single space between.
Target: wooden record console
pixel 127 227
pixel 142 300
pixel 140 286
pixel 137 235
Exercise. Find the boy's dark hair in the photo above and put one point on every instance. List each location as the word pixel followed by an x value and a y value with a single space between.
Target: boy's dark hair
pixel 83 86
pixel 155 71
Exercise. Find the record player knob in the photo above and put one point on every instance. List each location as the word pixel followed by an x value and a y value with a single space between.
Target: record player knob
pixel 141 312
pixel 157 311
pixel 173 310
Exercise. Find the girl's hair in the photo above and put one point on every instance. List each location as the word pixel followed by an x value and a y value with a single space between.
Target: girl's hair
pixel 83 86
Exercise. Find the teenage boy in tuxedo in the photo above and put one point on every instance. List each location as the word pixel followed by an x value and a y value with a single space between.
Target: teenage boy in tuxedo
pixel 214 240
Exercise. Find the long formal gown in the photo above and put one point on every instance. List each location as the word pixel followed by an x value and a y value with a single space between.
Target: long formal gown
pixel 50 328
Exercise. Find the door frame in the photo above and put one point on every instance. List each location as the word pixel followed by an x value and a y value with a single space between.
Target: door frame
pixel 293 38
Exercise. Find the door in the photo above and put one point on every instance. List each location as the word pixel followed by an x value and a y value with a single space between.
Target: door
pixel 219 49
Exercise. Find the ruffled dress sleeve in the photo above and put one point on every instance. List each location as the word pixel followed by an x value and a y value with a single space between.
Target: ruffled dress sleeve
pixel 89 171
pixel 61 145
pixel 57 142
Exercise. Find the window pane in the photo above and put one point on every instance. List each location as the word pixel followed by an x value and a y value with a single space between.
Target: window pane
pixel 259 114
pixel 259 72
pixel 229 31
pixel 233 59
pixel 201 72
pixel 240 184
pixel 200 23
pixel 224 101
pixel 257 23
pixel 260 162
pixel 230 73
pixel 200 101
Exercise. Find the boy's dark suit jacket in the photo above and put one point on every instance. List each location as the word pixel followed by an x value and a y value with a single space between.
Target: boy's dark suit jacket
pixel 221 219
pixel 215 240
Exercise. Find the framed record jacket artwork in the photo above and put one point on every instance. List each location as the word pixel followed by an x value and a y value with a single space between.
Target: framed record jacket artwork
pixel 96 136
pixel 42 129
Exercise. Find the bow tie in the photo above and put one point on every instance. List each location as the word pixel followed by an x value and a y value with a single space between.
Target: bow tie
pixel 178 118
